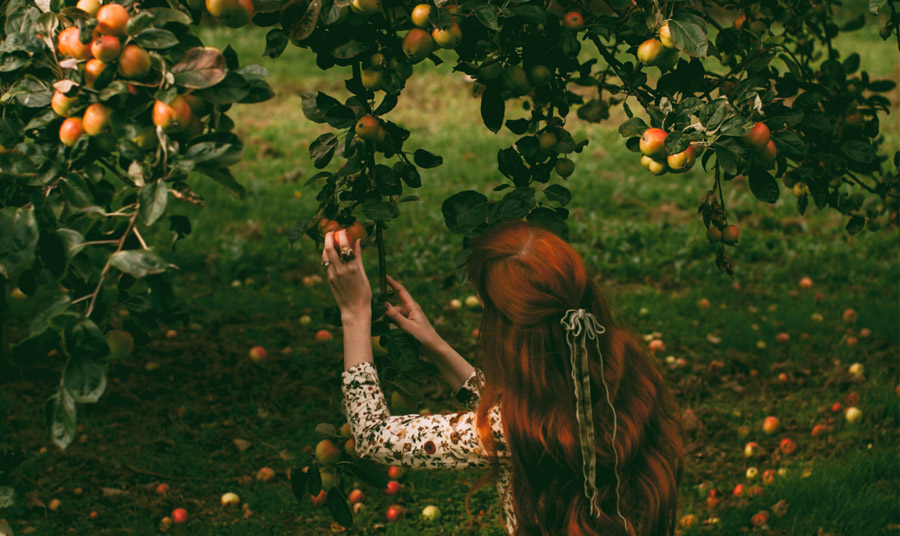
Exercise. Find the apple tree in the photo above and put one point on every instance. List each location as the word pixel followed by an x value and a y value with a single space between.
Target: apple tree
pixel 108 113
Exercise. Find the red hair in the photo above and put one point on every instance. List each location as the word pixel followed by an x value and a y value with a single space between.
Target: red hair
pixel 528 278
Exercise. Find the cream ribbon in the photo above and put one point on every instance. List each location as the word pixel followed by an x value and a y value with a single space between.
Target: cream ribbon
pixel 583 325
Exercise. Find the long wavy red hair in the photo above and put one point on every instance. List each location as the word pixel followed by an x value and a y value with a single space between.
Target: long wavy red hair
pixel 528 278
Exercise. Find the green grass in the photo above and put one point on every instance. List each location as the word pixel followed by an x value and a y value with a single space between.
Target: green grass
pixel 172 411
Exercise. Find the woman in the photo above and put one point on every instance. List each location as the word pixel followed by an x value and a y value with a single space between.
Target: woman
pixel 561 385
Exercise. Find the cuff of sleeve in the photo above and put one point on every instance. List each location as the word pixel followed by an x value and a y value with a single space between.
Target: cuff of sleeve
pixel 470 391
pixel 359 373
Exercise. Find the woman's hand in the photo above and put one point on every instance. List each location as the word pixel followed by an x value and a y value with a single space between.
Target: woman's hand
pixel 410 318
pixel 348 280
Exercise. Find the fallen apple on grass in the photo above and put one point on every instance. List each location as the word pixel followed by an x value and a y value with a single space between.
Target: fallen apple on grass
pixel 258 354
pixel 356 496
pixel 770 425
pixel 395 512
pixel 179 515
pixel 230 499
pixel 852 414
pixel 431 513
pixel 395 472
pixel 162 489
pixel 265 474
pixel 320 499
pixel 323 335
pixel 393 487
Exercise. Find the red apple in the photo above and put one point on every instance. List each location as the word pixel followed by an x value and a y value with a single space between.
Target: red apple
pixel 356 496
pixel 61 104
pixel 769 153
pixel 731 234
pixel 738 490
pixel 173 117
pixel 320 499
pixel 651 52
pixel 393 487
pixel 573 20
pixel 258 353
pixel 819 429
pixel 653 142
pixel 447 37
pixel 760 518
pixel 179 515
pixel 111 20
pixel 770 424
pixel 682 161
pixel 395 473
pixel 849 316
pixel 162 489
pixel 783 337
pixel 96 119
pixel 758 137
pixel 369 129
pixel 421 15
pixel 92 70
pixel 417 45
pixel 70 130
pixel 806 282
pixel 265 474
pixel 327 453
pixel 106 48
pixel 134 62
pixel 323 335
pixel 787 446
pixel 395 512
pixel 657 345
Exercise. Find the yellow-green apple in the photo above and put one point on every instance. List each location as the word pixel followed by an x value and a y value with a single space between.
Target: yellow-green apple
pixel 61 104
pixel 134 62
pixel 456 304
pixel 449 37
pixel 91 7
pixel 92 70
pixel 236 15
pixel 111 20
pixel 856 370
pixel 146 138
pixel 327 453
pixel 230 499
pixel 653 142
pixel 420 15
pixel 573 20
pixel 305 320
pixel 682 161
pixel 345 430
pixel 417 45
pixel 751 449
pixel 539 75
pixel 752 472
pixel 120 342
pixel 106 48
pixel 172 117
pixel 650 52
pixel 564 167
pixel 515 79
pixel 330 478
pixel 490 70
pixel 431 513
pixel 654 166
pixel 547 141
pixel 372 79
pixel 97 119
pixel 665 36
pixel 365 7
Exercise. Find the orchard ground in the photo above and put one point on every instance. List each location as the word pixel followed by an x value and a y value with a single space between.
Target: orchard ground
pixel 174 409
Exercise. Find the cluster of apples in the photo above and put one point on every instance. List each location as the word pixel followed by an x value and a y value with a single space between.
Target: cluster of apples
pixel 760 142
pixel 110 45
pixel 354 231
pixel 231 13
pixel 659 52
pixel 420 42
pixel 655 158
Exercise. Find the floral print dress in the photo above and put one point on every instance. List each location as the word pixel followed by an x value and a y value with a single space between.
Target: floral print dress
pixel 422 441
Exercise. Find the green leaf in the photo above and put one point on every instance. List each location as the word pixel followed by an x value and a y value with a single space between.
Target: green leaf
pixel 59 412
pixel 139 263
pixel 550 219
pixel 875 6
pixel 379 210
pixel 790 145
pixel 487 15
pixel 339 508
pixel 714 112
pixel 85 340
pixel 633 127
pixel 84 379
pixel 153 198
pixel 514 206
pixel 763 185
pixel 298 483
pixel 860 151
pixel 276 42
pixel 322 149
pixel 426 160
pixel 224 177
pixel 156 39
pixel 200 68
pixel 559 194
pixel 7 498
pixel 492 108
pixel 689 34
pixel 350 49
pixel 368 472
pixel 465 211
pixel 18 238
pixel 403 348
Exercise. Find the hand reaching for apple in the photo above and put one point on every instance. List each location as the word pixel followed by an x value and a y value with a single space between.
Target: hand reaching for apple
pixel 348 280
pixel 410 318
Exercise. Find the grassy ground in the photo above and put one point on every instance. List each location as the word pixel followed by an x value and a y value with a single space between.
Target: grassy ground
pixel 172 411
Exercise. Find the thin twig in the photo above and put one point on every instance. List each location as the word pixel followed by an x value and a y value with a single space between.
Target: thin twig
pixel 108 265
pixel 140 238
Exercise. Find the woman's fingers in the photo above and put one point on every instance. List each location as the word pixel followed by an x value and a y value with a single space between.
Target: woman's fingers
pixel 397 316
pixel 329 253
pixel 408 301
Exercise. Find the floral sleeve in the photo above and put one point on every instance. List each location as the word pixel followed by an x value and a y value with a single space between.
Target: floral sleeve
pixel 419 441
pixel 470 392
